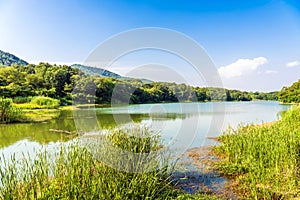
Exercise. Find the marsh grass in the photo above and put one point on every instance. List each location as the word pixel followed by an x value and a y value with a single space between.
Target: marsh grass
pixel 263 161
pixel 74 172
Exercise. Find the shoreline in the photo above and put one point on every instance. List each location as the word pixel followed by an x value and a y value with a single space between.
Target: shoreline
pixel 203 160
pixel 293 103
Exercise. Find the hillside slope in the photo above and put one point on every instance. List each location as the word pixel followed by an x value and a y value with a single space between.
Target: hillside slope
pixel 8 59
pixel 95 71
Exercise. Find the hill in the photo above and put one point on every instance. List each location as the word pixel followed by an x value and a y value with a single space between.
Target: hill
pixel 95 71
pixel 8 59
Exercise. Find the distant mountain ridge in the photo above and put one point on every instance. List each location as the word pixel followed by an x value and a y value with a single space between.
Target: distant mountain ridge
pixel 8 59
pixel 95 71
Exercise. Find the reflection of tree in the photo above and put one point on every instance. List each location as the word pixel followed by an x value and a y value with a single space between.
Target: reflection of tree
pixel 38 132
pixel 107 121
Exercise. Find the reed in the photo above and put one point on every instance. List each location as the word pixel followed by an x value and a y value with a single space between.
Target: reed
pixel 76 172
pixel 263 160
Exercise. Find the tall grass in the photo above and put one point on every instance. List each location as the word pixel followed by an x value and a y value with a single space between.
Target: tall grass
pixel 77 173
pixel 263 160
pixel 9 113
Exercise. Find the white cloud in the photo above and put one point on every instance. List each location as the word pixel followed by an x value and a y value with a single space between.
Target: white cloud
pixel 271 72
pixel 293 63
pixel 241 67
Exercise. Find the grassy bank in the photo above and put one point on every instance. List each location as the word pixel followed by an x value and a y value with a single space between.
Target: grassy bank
pixel 263 161
pixel 75 172
pixel 36 109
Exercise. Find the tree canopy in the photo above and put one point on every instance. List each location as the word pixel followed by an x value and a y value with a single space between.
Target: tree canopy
pixel 66 82
pixel 290 94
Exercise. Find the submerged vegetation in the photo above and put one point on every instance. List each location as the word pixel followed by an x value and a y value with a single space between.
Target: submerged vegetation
pixel 264 160
pixel 74 173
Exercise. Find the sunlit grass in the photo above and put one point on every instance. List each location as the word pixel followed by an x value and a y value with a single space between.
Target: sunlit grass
pixel 40 115
pixel 263 160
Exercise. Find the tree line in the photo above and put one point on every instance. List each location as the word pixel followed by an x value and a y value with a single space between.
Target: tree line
pixel 290 94
pixel 66 83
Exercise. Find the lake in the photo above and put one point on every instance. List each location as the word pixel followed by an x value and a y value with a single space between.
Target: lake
pixel 181 125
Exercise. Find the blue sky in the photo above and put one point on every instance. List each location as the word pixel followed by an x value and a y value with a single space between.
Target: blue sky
pixel 254 44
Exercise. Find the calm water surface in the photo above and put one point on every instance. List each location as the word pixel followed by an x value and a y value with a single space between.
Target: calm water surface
pixel 180 124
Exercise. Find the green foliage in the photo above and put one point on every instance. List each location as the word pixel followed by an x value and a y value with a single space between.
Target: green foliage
pixel 263 159
pixel 264 96
pixel 19 100
pixel 66 83
pixel 9 113
pixel 290 94
pixel 45 101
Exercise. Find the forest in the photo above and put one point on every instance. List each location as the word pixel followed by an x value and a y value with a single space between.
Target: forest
pixel 62 82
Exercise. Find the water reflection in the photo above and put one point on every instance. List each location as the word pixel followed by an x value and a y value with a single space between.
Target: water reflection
pixel 177 122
